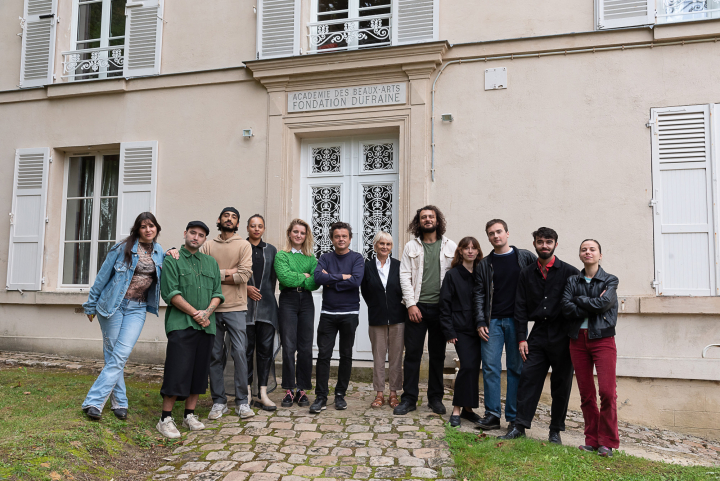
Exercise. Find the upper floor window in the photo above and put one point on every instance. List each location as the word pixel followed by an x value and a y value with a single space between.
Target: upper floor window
pixel 631 13
pixel 350 24
pixel 669 11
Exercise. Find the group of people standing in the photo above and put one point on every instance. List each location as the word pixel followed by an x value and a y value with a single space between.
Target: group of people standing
pixel 224 289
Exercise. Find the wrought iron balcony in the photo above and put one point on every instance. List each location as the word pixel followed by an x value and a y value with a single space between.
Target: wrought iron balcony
pixel 350 33
pixel 670 11
pixel 92 63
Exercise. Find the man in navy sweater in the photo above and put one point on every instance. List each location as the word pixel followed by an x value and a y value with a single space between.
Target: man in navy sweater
pixel 340 272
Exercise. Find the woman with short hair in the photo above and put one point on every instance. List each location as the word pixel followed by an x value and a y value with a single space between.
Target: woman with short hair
pixel 458 325
pixel 295 266
pixel 386 317
pixel 126 288
pixel 590 304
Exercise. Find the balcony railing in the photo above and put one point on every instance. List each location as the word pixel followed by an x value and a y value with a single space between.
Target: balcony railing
pixel 93 63
pixel 670 11
pixel 350 33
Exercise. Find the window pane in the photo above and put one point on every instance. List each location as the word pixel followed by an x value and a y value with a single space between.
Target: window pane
pixel 110 171
pixel 376 3
pixel 103 249
pixel 331 6
pixel 78 219
pixel 81 177
pixel 76 263
pixel 117 18
pixel 89 21
pixel 108 218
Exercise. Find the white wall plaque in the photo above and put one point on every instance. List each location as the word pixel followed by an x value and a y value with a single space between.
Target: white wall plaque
pixel 347 97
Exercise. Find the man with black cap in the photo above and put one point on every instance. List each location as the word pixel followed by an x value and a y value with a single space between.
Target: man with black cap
pixel 189 326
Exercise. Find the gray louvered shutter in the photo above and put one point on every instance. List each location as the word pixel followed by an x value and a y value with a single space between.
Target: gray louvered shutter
pixel 624 13
pixel 143 38
pixel 38 43
pixel 278 28
pixel 27 219
pixel 414 21
pixel 138 183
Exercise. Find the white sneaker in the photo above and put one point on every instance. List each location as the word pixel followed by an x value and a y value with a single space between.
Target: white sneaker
pixel 192 422
pixel 244 411
pixel 217 411
pixel 168 428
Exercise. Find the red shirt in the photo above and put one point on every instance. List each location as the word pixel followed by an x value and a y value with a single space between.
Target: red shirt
pixel 544 269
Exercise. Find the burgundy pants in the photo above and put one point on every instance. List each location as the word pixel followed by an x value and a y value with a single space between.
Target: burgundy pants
pixel 601 426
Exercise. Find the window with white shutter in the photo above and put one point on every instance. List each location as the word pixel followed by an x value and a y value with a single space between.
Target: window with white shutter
pixel 27 219
pixel 624 13
pixel 138 179
pixel 38 43
pixel 143 38
pixel 683 208
pixel 278 28
pixel 414 21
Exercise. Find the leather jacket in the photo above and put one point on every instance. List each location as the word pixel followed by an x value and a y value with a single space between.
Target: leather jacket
pixel 583 300
pixel 483 291
pixel 266 309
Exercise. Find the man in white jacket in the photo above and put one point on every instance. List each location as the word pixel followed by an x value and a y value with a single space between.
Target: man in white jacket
pixel 425 261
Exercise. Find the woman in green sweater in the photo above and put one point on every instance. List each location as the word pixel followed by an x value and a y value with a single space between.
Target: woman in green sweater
pixel 294 266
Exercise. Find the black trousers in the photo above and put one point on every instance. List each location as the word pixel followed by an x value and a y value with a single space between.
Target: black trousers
pixel 260 344
pixel 414 343
pixel 544 354
pixel 187 363
pixel 467 389
pixel 328 328
pixel 296 320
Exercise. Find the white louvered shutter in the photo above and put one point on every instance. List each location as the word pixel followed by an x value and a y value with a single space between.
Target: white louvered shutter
pixel 27 219
pixel 38 43
pixel 414 21
pixel 683 201
pixel 143 38
pixel 138 181
pixel 278 28
pixel 624 13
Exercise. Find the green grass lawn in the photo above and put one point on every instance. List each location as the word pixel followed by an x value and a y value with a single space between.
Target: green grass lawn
pixel 486 458
pixel 45 436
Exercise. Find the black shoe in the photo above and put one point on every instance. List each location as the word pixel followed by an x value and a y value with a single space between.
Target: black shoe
pixel 469 415
pixel 288 399
pixel 489 422
pixel 605 452
pixel 93 413
pixel 403 408
pixel 587 448
pixel 258 404
pixel 517 432
pixel 554 437
pixel 455 420
pixel 340 403
pixel 120 413
pixel 302 400
pixel 437 406
pixel 511 426
pixel 319 405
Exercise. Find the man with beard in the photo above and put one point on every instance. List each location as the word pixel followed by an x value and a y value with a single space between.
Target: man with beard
pixel 425 261
pixel 539 292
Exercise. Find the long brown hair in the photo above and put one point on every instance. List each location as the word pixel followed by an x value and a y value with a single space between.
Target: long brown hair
pixel 466 241
pixel 415 229
pixel 307 247
pixel 135 234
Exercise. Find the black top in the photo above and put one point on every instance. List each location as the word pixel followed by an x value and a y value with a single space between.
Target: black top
pixel 258 261
pixel 456 303
pixel 595 301
pixel 506 272
pixel 539 300
pixel 384 304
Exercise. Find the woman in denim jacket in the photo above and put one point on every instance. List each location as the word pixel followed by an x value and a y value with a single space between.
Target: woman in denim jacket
pixel 125 289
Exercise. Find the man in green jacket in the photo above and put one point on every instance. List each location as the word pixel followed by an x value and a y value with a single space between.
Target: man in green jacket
pixel 190 285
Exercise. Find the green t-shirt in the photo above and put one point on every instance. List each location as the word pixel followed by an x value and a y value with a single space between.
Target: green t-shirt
pixel 430 288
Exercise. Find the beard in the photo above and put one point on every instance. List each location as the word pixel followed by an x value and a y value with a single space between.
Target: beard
pixel 224 228
pixel 428 230
pixel 545 255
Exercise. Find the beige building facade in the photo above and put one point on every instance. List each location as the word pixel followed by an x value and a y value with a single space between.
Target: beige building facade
pixel 600 123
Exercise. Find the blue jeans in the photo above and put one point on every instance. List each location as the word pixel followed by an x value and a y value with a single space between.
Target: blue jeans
pixel 502 333
pixel 120 333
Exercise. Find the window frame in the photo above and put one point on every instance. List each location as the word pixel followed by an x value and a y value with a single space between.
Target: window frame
pixel 95 228
pixel 353 11
pixel 104 37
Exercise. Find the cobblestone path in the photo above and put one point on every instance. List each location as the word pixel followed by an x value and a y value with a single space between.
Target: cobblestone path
pixel 293 445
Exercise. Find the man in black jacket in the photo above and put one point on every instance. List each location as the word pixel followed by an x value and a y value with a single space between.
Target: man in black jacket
pixel 538 299
pixel 496 280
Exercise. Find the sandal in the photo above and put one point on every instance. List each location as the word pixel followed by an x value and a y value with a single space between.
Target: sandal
pixel 378 402
pixel 394 401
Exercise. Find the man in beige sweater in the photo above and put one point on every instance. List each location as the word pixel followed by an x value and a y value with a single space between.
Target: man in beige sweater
pixel 234 257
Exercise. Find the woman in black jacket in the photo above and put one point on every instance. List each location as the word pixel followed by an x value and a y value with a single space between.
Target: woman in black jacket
pixel 382 293
pixel 458 325
pixel 590 305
